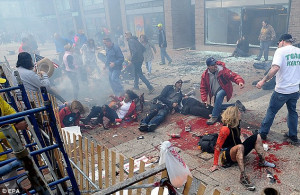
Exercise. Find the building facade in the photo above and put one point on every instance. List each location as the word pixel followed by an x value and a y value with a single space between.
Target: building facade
pixel 201 24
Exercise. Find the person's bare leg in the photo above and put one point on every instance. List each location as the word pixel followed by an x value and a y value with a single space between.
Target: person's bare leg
pixel 259 149
pixel 237 155
pixel 261 153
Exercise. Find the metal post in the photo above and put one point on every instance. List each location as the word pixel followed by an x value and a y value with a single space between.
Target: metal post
pixel 35 177
pixel 52 122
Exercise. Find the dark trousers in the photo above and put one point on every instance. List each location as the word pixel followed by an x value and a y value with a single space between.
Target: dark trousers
pixel 138 74
pixel 264 49
pixel 239 53
pixel 157 115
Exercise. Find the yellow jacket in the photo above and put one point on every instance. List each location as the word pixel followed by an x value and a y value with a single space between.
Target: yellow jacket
pixel 5 109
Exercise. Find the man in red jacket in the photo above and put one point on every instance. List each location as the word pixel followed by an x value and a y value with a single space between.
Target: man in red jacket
pixel 216 81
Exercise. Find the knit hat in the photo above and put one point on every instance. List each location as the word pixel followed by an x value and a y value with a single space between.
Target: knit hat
pixel 211 61
pixel 2 80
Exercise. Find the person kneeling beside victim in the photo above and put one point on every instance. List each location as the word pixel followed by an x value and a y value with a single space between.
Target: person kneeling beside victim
pixel 233 149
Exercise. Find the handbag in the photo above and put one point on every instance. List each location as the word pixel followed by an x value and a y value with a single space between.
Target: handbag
pixel 207 142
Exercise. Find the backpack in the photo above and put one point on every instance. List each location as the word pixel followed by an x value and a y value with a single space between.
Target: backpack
pixel 207 142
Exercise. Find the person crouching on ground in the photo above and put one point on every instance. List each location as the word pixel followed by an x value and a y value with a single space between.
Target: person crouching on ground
pixel 216 81
pixel 167 101
pixel 233 149
pixel 70 114
pixel 125 108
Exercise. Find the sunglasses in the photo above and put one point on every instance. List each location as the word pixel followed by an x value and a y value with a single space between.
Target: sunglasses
pixel 279 42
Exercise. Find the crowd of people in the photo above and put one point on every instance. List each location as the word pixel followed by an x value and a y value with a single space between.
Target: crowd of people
pixel 78 58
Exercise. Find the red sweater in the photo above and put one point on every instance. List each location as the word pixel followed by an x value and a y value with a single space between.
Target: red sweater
pixel 224 132
pixel 225 77
pixel 65 112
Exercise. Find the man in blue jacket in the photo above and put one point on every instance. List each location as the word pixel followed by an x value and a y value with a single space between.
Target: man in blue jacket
pixel 114 61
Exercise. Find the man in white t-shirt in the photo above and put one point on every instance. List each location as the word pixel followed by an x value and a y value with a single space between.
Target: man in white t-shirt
pixel 286 66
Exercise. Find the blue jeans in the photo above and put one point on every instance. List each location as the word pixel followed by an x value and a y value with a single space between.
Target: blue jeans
pixel 163 55
pixel 149 66
pixel 264 48
pixel 156 116
pixel 115 82
pixel 218 106
pixel 276 102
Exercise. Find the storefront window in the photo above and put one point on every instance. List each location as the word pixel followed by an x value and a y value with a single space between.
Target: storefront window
pixel 227 20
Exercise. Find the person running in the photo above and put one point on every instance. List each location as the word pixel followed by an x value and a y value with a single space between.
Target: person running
pixel 137 58
pixel 233 150
pixel 148 54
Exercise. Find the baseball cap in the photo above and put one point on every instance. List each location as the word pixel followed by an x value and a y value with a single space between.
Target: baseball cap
pixel 286 37
pixel 179 81
pixel 2 80
pixel 159 25
pixel 211 61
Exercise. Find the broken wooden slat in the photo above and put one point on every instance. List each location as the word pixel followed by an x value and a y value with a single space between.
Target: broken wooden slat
pixel 113 167
pixel 163 175
pixel 87 171
pixel 121 162
pixel 130 174
pixel 150 180
pixel 187 185
pixel 131 181
pixel 99 150
pixel 216 192
pixel 201 189
pixel 142 169
pixel 93 161
pixel 106 161
pixel 75 155
pixel 81 161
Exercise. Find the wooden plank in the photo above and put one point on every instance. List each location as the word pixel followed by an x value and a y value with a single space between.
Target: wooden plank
pixel 86 151
pixel 201 189
pixel 106 161
pixel 216 192
pixel 187 185
pixel 130 174
pixel 150 180
pixel 121 162
pixel 131 181
pixel 142 169
pixel 75 156
pixel 163 175
pixel 81 161
pixel 99 151
pixel 69 144
pixel 93 161
pixel 113 167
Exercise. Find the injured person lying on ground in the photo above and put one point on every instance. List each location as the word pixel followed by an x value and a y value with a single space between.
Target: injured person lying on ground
pixel 121 108
pixel 233 150
pixel 168 101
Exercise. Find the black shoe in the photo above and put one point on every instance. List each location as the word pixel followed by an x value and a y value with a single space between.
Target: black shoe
pixel 239 104
pixel 263 136
pixel 257 59
pixel 143 127
pixel 152 127
pixel 293 139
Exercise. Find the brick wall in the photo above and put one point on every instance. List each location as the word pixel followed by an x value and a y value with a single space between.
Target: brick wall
pixel 178 23
pixel 294 21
